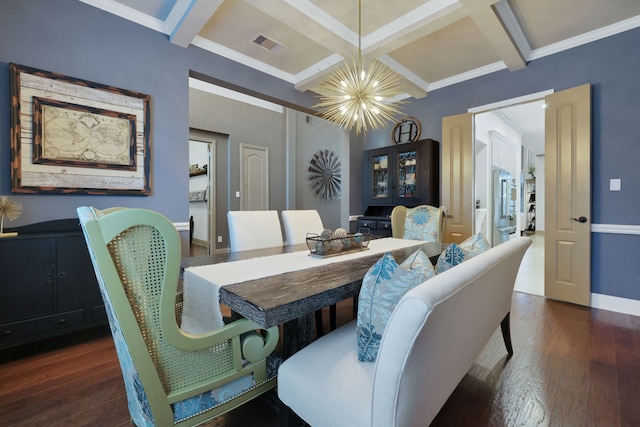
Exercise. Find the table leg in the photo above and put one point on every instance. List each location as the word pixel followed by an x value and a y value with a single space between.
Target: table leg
pixel 297 334
pixel 332 317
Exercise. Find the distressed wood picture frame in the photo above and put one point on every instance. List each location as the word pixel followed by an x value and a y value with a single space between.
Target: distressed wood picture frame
pixel 74 136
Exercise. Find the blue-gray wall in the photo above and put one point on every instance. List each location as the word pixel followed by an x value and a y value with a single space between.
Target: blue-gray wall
pixel 78 40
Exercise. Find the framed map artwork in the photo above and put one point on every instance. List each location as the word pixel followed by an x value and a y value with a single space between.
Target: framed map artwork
pixel 74 136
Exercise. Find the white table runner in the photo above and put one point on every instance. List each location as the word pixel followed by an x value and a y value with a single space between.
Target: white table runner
pixel 201 310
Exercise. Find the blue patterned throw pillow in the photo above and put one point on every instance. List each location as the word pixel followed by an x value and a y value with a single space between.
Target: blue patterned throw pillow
pixel 455 254
pixel 382 288
pixel 420 263
pixel 421 223
pixel 475 245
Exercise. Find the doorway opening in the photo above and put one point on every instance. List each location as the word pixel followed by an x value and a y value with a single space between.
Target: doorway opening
pixel 509 179
pixel 201 194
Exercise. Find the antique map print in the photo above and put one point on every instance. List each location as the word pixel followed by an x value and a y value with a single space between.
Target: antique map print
pixel 76 135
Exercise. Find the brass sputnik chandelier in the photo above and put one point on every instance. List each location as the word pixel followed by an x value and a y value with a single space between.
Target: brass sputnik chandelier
pixel 360 95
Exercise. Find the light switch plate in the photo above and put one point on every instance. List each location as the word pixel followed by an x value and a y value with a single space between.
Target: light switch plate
pixel 615 184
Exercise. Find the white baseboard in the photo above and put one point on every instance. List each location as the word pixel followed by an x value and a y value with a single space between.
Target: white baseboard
pixel 617 304
pixel 199 242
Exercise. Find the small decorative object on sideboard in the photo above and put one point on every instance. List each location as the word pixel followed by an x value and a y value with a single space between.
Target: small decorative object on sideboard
pixel 338 242
pixel 11 210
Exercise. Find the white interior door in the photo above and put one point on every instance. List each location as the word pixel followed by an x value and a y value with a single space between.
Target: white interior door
pixel 568 195
pixel 255 178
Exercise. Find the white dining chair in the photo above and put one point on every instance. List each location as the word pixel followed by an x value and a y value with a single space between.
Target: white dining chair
pixel 297 223
pixel 254 230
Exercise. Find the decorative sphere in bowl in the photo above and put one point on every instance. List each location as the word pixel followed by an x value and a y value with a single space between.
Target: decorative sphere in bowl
pixel 336 245
pixel 346 243
pixel 326 234
pixel 340 232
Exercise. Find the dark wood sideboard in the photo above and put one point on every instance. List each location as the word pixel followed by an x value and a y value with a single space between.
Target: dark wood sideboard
pixel 47 282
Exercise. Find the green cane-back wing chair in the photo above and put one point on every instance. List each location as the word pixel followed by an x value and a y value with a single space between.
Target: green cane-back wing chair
pixel 171 377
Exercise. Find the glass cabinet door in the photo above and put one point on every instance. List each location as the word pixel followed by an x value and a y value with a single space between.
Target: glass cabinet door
pixel 407 168
pixel 380 176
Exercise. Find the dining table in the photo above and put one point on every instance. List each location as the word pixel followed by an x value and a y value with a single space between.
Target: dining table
pixel 282 285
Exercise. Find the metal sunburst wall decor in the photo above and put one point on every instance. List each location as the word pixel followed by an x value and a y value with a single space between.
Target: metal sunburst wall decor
pixel 325 175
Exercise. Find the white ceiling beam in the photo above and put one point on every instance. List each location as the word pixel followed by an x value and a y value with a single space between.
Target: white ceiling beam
pixel 129 14
pixel 513 26
pixel 414 25
pixel 188 17
pixel 497 34
pixel 411 83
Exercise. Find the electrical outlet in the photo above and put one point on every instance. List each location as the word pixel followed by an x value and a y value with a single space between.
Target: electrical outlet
pixel 615 184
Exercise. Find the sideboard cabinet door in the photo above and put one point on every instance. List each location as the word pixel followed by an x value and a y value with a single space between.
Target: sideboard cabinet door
pixel 76 281
pixel 48 284
pixel 26 268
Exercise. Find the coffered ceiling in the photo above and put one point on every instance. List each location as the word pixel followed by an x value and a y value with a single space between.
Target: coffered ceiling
pixel 430 43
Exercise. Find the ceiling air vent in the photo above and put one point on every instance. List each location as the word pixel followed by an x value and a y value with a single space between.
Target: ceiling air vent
pixel 267 43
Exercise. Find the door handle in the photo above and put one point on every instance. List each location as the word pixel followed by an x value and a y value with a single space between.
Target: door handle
pixel 581 219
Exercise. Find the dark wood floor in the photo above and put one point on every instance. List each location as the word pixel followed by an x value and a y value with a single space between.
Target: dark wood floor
pixel 573 366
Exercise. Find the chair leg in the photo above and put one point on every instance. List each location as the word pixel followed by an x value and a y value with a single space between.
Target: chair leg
pixel 319 327
pixel 505 325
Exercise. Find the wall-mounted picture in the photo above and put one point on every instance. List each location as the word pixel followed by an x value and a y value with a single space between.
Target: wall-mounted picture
pixel 75 136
